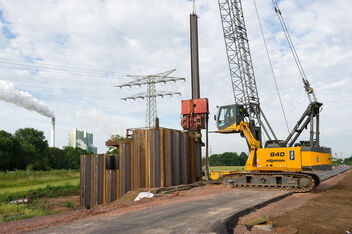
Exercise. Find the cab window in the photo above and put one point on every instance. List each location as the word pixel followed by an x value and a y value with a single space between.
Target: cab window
pixel 226 116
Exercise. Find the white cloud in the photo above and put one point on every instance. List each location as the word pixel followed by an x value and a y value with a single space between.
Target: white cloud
pixel 102 123
pixel 142 37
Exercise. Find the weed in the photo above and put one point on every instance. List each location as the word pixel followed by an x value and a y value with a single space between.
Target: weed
pixel 225 168
pixel 69 204
pixel 9 212
pixel 34 185
pixel 48 191
pixel 15 179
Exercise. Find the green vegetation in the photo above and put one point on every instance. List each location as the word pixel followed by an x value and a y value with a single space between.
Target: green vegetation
pixel 225 168
pixel 34 185
pixel 346 161
pixel 113 150
pixel 10 212
pixel 69 204
pixel 18 178
pixel 228 159
pixel 27 148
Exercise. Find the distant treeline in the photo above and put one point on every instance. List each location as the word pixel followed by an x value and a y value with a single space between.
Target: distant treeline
pixel 228 159
pixel 27 148
pixel 346 161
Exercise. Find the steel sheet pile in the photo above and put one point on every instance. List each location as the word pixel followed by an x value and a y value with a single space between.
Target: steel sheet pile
pixel 150 158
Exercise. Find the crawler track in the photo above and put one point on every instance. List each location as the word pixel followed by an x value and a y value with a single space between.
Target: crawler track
pixel 287 181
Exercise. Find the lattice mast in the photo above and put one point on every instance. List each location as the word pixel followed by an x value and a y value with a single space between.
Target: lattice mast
pixel 240 64
pixel 151 94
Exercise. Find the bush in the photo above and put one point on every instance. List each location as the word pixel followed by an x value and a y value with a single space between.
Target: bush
pixel 69 204
pixel 10 212
pixel 48 191
pixel 28 149
pixel 228 159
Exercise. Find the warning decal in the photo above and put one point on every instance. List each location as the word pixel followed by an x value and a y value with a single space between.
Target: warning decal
pixel 292 155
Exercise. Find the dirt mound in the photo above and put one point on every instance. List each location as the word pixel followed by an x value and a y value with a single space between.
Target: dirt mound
pixel 327 209
pixel 330 212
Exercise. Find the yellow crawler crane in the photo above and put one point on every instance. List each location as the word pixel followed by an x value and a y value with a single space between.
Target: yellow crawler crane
pixel 279 164
pixel 264 164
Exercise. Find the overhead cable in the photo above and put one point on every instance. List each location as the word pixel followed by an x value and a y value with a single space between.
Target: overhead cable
pixel 271 65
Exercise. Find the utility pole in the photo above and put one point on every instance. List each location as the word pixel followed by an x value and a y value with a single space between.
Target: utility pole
pixel 151 94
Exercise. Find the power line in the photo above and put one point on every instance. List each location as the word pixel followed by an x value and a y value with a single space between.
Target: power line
pixel 44 82
pixel 54 66
pixel 151 94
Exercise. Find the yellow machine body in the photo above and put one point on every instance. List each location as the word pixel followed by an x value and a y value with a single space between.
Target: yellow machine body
pixel 289 159
pixel 300 158
pixel 214 175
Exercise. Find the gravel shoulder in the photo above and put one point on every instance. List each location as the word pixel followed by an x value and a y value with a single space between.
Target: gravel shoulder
pixel 327 209
pixel 116 208
pixel 329 195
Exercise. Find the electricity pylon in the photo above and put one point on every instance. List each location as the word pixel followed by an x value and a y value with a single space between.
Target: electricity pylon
pixel 151 94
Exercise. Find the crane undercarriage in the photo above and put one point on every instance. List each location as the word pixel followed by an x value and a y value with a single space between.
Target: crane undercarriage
pixel 290 181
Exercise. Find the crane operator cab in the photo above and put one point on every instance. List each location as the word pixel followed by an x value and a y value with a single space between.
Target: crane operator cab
pixel 229 115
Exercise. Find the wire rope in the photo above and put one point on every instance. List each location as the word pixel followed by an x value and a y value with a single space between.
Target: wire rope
pixel 271 66
pixel 288 37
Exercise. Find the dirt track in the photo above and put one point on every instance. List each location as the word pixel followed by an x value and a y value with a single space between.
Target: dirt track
pixel 328 209
pixel 200 210
pixel 115 209
pixel 195 197
pixel 328 212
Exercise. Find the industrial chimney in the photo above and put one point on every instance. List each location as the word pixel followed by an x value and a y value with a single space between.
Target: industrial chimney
pixel 52 143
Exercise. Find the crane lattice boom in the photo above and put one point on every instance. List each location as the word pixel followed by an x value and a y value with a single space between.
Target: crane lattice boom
pixel 239 57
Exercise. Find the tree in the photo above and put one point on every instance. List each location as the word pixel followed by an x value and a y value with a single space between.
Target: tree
pixel 112 149
pixel 34 146
pixel 214 160
pixel 7 146
pixel 28 149
pixel 242 159
pixel 72 157
pixel 229 159
pixel 348 161
pixel 57 158
pixel 34 137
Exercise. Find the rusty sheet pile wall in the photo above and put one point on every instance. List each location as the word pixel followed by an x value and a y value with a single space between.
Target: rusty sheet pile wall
pixel 149 158
pixel 99 177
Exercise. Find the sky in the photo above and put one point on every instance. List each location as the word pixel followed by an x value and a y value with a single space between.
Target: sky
pixel 70 55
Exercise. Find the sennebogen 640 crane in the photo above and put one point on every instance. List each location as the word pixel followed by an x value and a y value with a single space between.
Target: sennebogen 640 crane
pixel 278 164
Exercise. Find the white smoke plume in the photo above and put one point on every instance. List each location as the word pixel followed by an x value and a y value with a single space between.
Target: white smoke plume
pixel 10 94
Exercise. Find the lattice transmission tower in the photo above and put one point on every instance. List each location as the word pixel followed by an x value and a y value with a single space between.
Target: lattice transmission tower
pixel 152 93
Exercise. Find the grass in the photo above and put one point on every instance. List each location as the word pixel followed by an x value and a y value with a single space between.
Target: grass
pixel 34 185
pixel 47 191
pixel 27 188
pixel 10 212
pixel 225 168
pixel 17 179
pixel 69 204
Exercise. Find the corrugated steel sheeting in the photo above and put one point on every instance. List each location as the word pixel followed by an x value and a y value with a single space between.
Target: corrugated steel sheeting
pixel 99 179
pixel 184 159
pixel 151 158
pixel 112 176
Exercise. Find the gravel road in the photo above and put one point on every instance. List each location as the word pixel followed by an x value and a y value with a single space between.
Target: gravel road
pixel 213 213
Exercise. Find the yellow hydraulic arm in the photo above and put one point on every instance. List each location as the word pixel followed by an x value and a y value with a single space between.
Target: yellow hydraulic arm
pixel 254 144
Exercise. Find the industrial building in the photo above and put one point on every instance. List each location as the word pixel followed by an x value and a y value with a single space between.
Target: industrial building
pixel 82 139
